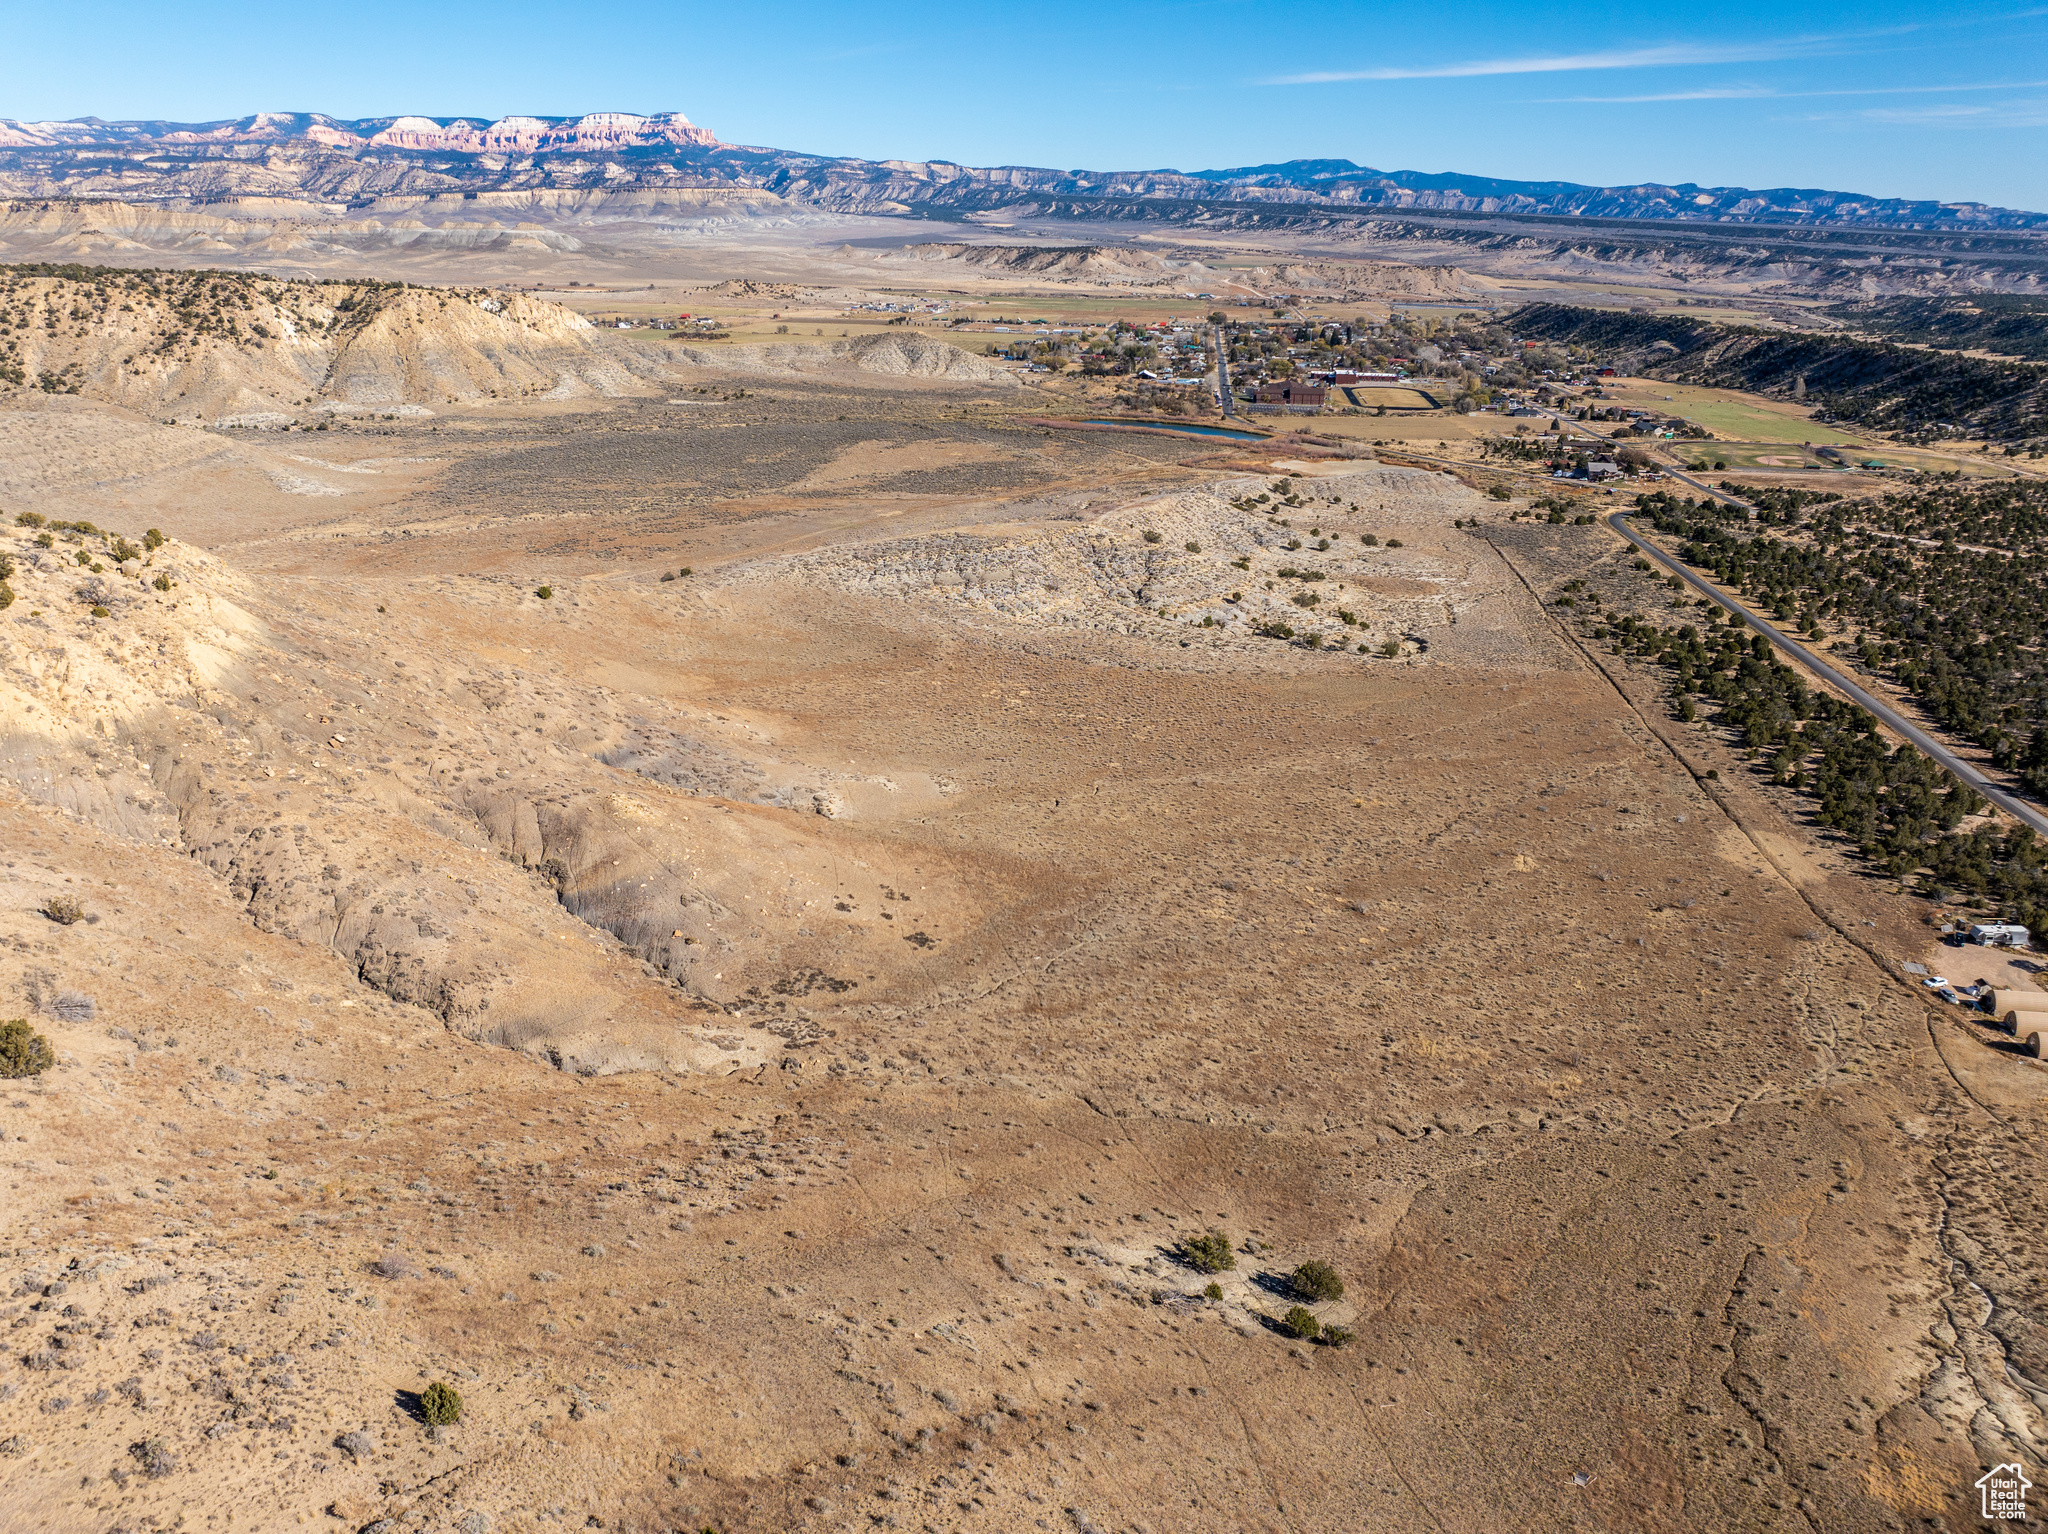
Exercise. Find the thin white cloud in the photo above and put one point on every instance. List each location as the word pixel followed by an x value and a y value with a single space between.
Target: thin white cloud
pixel 2013 114
pixel 1764 93
pixel 1708 93
pixel 1662 55
pixel 1613 58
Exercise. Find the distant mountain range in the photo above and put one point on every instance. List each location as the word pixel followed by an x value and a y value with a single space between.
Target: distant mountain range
pixel 594 132
pixel 356 161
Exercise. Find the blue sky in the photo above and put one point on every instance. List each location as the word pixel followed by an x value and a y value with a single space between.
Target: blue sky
pixel 1888 99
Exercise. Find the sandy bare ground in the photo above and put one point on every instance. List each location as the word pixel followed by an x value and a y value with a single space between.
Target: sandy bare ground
pixel 762 1035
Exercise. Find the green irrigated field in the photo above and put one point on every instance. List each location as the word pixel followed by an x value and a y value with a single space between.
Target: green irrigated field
pixel 1729 412
pixel 1766 423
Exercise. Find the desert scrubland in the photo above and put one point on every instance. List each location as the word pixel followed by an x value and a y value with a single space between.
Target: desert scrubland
pixel 753 907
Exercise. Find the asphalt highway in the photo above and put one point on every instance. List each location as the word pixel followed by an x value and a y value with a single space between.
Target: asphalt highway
pixel 1223 396
pixel 2017 808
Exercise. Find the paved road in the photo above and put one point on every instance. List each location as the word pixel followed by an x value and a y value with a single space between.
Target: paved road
pixel 1671 469
pixel 2019 809
pixel 1705 489
pixel 1223 373
pixel 1896 721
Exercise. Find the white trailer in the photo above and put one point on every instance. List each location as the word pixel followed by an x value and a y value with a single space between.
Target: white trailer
pixel 1998 934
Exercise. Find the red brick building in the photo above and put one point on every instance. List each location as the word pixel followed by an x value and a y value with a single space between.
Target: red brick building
pixel 1291 394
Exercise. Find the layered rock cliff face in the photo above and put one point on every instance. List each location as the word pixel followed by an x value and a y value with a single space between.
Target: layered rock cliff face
pixel 593 131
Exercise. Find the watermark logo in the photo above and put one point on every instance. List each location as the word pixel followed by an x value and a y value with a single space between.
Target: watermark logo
pixel 2004 1488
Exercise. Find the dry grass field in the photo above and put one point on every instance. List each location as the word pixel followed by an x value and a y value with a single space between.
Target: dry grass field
pixel 751 919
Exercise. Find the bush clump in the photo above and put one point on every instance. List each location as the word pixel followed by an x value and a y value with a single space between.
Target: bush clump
pixel 1317 1280
pixel 154 1456
pixel 440 1404
pixel 1208 1253
pixel 1151 537
pixel 23 1051
pixel 1335 1336
pixel 1301 1322
pixel 64 910
pixel 545 593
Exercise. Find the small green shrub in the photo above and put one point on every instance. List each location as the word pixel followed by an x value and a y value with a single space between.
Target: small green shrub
pixel 1301 1322
pixel 153 540
pixel 29 519
pixel 64 910
pixel 440 1404
pixel 545 593
pixel 1370 540
pixel 162 583
pixel 124 551
pixel 1336 1336
pixel 1317 1280
pixel 1151 537
pixel 23 1051
pixel 1212 1290
pixel 99 611
pixel 1500 493
pixel 1192 547
pixel 6 596
pixel 1394 543
pixel 1208 1253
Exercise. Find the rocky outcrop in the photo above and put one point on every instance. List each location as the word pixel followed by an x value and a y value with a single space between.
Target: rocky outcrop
pixel 252 350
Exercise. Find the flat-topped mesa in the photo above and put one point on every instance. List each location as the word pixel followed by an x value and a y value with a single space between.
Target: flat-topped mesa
pixel 594 130
pixel 462 135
